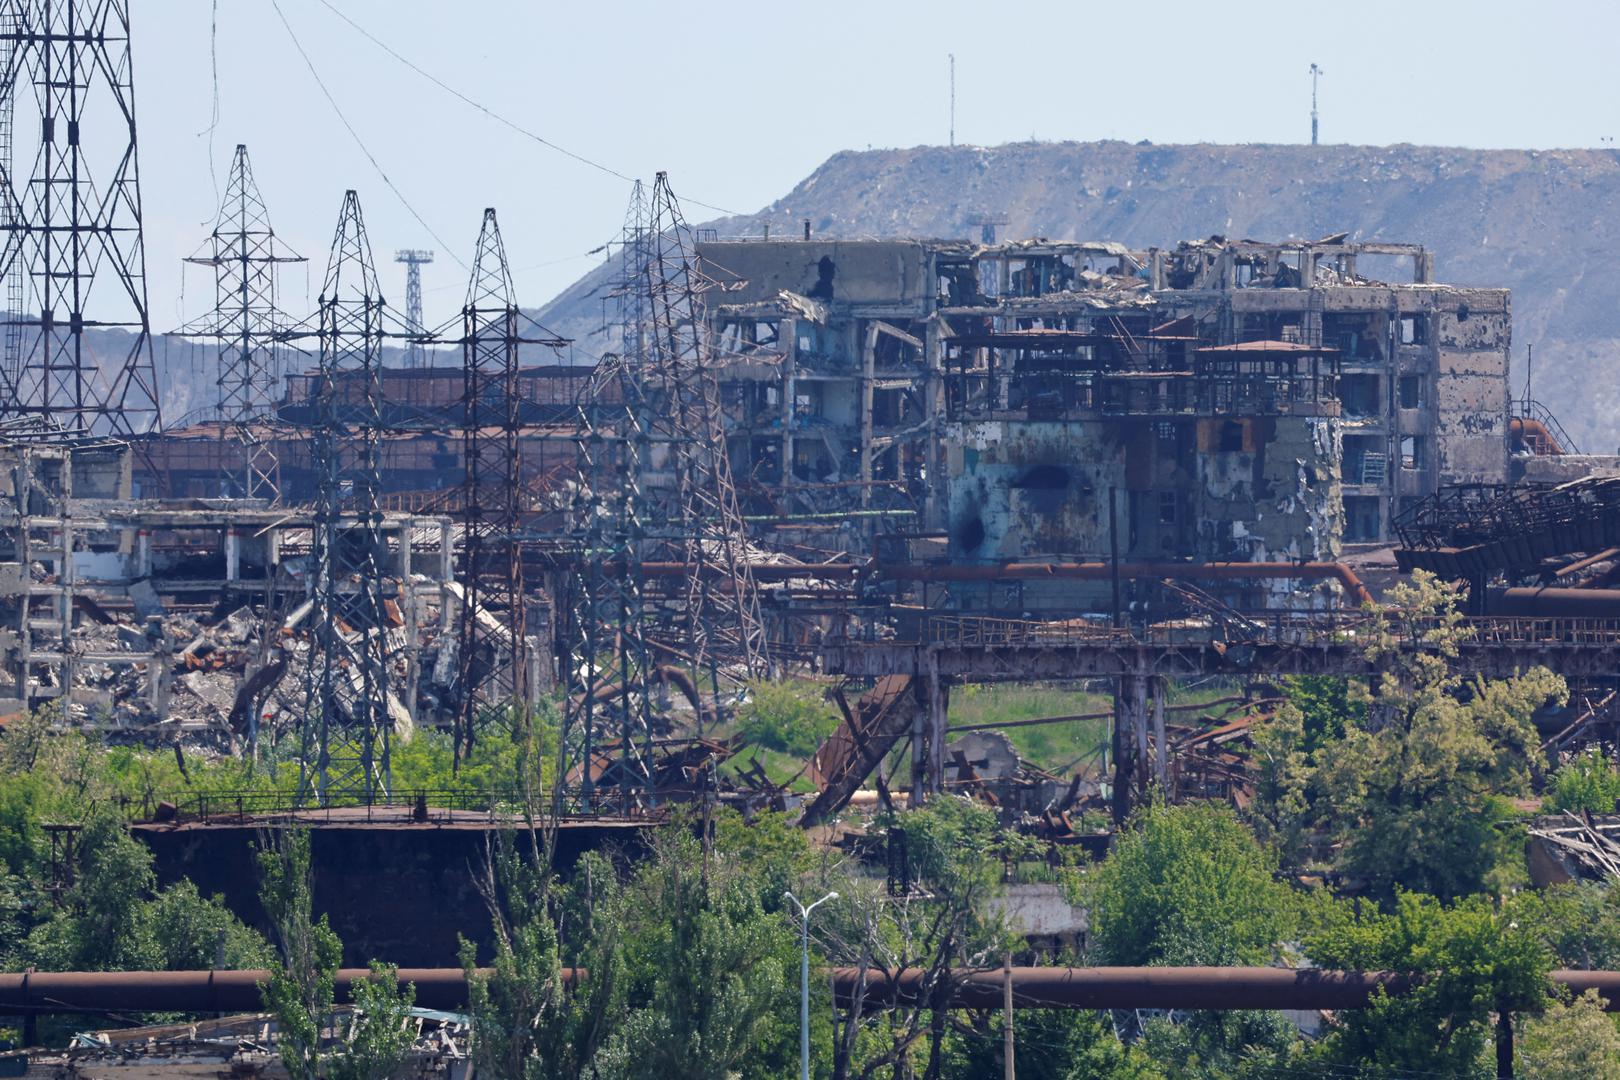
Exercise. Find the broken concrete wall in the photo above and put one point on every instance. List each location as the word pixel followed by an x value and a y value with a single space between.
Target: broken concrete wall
pixel 847 271
pixel 1472 346
pixel 1275 499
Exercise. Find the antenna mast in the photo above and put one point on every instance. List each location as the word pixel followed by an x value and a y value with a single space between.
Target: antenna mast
pixel 1316 73
pixel 953 98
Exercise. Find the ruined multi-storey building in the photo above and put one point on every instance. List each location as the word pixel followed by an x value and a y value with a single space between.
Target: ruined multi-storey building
pixel 1219 401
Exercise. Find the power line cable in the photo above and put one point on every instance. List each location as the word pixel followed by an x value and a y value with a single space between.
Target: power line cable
pixel 497 117
pixel 330 100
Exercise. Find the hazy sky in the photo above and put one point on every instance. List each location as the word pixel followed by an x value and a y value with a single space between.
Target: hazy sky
pixel 739 101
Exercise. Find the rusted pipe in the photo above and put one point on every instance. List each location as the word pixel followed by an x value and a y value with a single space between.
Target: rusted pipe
pixel 1521 426
pixel 1220 988
pixel 1034 987
pixel 196 991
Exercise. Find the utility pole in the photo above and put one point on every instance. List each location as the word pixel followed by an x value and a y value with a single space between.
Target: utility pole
pixel 414 260
pixel 953 98
pixel 1316 73
pixel 804 979
pixel 1009 1070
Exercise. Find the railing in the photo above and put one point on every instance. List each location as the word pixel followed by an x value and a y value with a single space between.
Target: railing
pixel 1294 629
pixel 403 806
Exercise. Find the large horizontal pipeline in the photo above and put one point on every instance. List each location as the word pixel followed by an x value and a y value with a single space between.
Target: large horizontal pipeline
pixel 1033 988
pixel 1045 571
pixel 195 991
pixel 1219 988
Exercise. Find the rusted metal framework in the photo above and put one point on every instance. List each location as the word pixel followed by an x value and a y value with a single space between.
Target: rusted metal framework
pixel 492 644
pixel 692 507
pixel 75 224
pixel 347 733
pixel 249 326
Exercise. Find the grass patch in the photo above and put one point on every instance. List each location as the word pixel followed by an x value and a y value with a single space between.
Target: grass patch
pixel 1046 746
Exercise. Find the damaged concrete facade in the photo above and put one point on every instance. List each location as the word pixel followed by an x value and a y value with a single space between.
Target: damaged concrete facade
pixel 190 615
pixel 1246 401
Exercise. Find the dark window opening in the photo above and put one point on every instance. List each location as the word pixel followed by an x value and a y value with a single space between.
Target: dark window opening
pixel 1167 508
pixel 970 537
pixel 1044 478
pixel 1411 391
pixel 1359 394
pixel 1231 437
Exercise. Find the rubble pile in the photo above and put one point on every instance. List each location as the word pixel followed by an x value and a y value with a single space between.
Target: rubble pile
pixel 237 1046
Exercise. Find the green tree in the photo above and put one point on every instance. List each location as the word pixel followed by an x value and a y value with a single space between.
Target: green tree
pixel 101 925
pixel 1413 792
pixel 1188 885
pixel 944 924
pixel 1051 1044
pixel 301 988
pixel 1327 707
pixel 188 931
pixel 707 971
pixel 1586 782
pixel 1578 922
pixel 1570 1041
pixel 528 1023
pixel 380 1031
pixel 1471 960
pixel 786 715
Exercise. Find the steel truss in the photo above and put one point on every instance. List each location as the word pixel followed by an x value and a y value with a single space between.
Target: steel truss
pixel 249 326
pixel 492 646
pixel 674 391
pixel 607 660
pixel 356 645
pixel 74 224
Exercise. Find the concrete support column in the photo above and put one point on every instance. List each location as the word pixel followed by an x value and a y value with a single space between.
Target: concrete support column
pixel 868 374
pixel 787 334
pixel 1161 752
pixel 928 733
pixel 1138 741
pixel 233 555
pixel 159 668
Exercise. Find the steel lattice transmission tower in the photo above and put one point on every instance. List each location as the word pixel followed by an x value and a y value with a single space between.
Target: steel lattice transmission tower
pixel 606 607
pixel 11 52
pixel 75 230
pixel 492 651
pixel 414 260
pixel 248 323
pixel 348 731
pixel 687 469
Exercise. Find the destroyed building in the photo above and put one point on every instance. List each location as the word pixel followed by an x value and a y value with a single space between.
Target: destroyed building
pixel 1246 401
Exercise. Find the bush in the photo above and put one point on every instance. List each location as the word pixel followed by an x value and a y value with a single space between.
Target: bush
pixel 1189 885
pixel 786 716
pixel 1589 782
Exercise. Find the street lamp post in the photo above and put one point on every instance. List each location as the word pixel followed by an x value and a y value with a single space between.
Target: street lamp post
pixel 804 979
